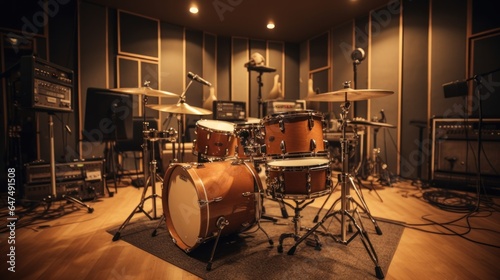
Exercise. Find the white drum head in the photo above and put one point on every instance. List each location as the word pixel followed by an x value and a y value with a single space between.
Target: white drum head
pixel 184 208
pixel 306 161
pixel 216 125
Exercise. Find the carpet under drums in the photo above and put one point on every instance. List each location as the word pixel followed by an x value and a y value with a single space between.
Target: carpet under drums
pixel 248 255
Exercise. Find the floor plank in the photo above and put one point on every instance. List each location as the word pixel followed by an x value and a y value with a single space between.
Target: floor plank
pixel 77 246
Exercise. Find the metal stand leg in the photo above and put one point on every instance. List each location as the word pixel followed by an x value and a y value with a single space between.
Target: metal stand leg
pixel 346 200
pixel 140 207
pixel 221 223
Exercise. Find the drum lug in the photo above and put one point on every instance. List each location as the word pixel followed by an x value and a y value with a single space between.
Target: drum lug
pixel 310 122
pixel 206 150
pixel 282 125
pixel 283 146
pixel 312 145
pixel 326 144
pixel 205 202
pixel 208 136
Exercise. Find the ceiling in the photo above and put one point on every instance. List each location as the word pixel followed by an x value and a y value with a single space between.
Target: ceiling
pixel 295 20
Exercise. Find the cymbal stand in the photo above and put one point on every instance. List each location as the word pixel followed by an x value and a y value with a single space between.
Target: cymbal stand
pixel 140 207
pixel 345 200
pixel 151 178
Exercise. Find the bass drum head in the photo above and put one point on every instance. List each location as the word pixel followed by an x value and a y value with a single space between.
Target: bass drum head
pixel 184 211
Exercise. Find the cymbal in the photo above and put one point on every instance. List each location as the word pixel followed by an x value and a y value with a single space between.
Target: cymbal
pixel 377 124
pixel 180 108
pixel 146 91
pixel 351 94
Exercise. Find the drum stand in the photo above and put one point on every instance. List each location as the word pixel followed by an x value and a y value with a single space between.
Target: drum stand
pixel 344 212
pixel 153 176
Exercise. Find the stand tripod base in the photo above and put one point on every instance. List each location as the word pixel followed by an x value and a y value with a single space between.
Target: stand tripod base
pixel 68 198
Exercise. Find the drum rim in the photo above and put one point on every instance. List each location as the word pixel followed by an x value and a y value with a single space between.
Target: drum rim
pixel 210 129
pixel 300 113
pixel 326 163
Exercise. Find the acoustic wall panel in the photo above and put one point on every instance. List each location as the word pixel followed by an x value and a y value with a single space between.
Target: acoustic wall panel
pixel 93 63
pixel 384 73
pixel 209 63
pixel 414 97
pixel 447 54
pixel 239 75
pixel 224 68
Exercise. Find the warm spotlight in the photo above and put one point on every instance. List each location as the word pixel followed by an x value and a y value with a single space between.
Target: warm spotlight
pixel 270 25
pixel 193 10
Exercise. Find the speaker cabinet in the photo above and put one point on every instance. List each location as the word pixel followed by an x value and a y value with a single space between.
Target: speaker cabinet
pixel 455 158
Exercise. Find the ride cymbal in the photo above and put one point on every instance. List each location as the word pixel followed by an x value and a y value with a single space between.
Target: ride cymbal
pixel 349 94
pixel 146 91
pixel 180 108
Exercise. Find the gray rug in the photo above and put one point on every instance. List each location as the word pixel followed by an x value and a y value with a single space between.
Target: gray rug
pixel 248 255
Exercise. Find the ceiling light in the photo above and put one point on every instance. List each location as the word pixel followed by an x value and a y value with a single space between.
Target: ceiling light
pixel 270 25
pixel 193 9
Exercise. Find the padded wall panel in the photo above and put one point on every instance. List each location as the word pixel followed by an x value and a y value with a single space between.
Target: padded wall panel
pixel 384 62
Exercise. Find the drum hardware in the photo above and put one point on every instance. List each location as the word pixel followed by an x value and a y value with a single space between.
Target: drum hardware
pixel 300 179
pixel 150 174
pixel 182 109
pixel 376 168
pixel 151 180
pixel 344 215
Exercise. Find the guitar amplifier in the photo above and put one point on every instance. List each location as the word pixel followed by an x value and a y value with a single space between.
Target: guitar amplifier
pixel 282 106
pixel 454 157
pixel 42 85
pixel 230 111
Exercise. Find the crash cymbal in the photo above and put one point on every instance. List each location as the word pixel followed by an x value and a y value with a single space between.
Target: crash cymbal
pixel 146 91
pixel 351 94
pixel 180 108
pixel 367 123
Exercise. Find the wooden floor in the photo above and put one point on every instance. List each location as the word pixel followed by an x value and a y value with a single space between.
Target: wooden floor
pixel 76 245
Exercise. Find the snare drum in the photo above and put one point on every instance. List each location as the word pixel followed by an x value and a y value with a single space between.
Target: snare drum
pixel 214 138
pixel 196 196
pixel 294 133
pixel 298 178
pixel 249 139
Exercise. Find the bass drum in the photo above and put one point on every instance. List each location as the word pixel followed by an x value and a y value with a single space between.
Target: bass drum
pixel 195 196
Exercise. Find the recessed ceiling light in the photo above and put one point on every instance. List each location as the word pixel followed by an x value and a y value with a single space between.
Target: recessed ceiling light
pixel 270 25
pixel 193 9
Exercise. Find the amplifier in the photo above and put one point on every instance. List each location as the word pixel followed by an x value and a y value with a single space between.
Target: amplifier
pixel 455 155
pixel 229 110
pixel 41 85
pixel 281 106
pixel 90 170
pixel 80 189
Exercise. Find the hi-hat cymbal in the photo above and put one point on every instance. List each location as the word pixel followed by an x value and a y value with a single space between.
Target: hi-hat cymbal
pixel 180 108
pixel 146 91
pixel 350 94
pixel 377 124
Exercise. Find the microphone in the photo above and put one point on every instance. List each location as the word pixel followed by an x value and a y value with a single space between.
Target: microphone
pixel 199 79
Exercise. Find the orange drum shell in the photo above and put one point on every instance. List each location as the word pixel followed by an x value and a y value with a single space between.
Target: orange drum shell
pixel 297 135
pixel 217 142
pixel 295 180
pixel 213 180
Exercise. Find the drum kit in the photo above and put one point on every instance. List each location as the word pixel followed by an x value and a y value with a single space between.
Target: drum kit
pixel 222 193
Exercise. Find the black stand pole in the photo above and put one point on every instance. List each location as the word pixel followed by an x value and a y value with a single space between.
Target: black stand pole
pixel 53 194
